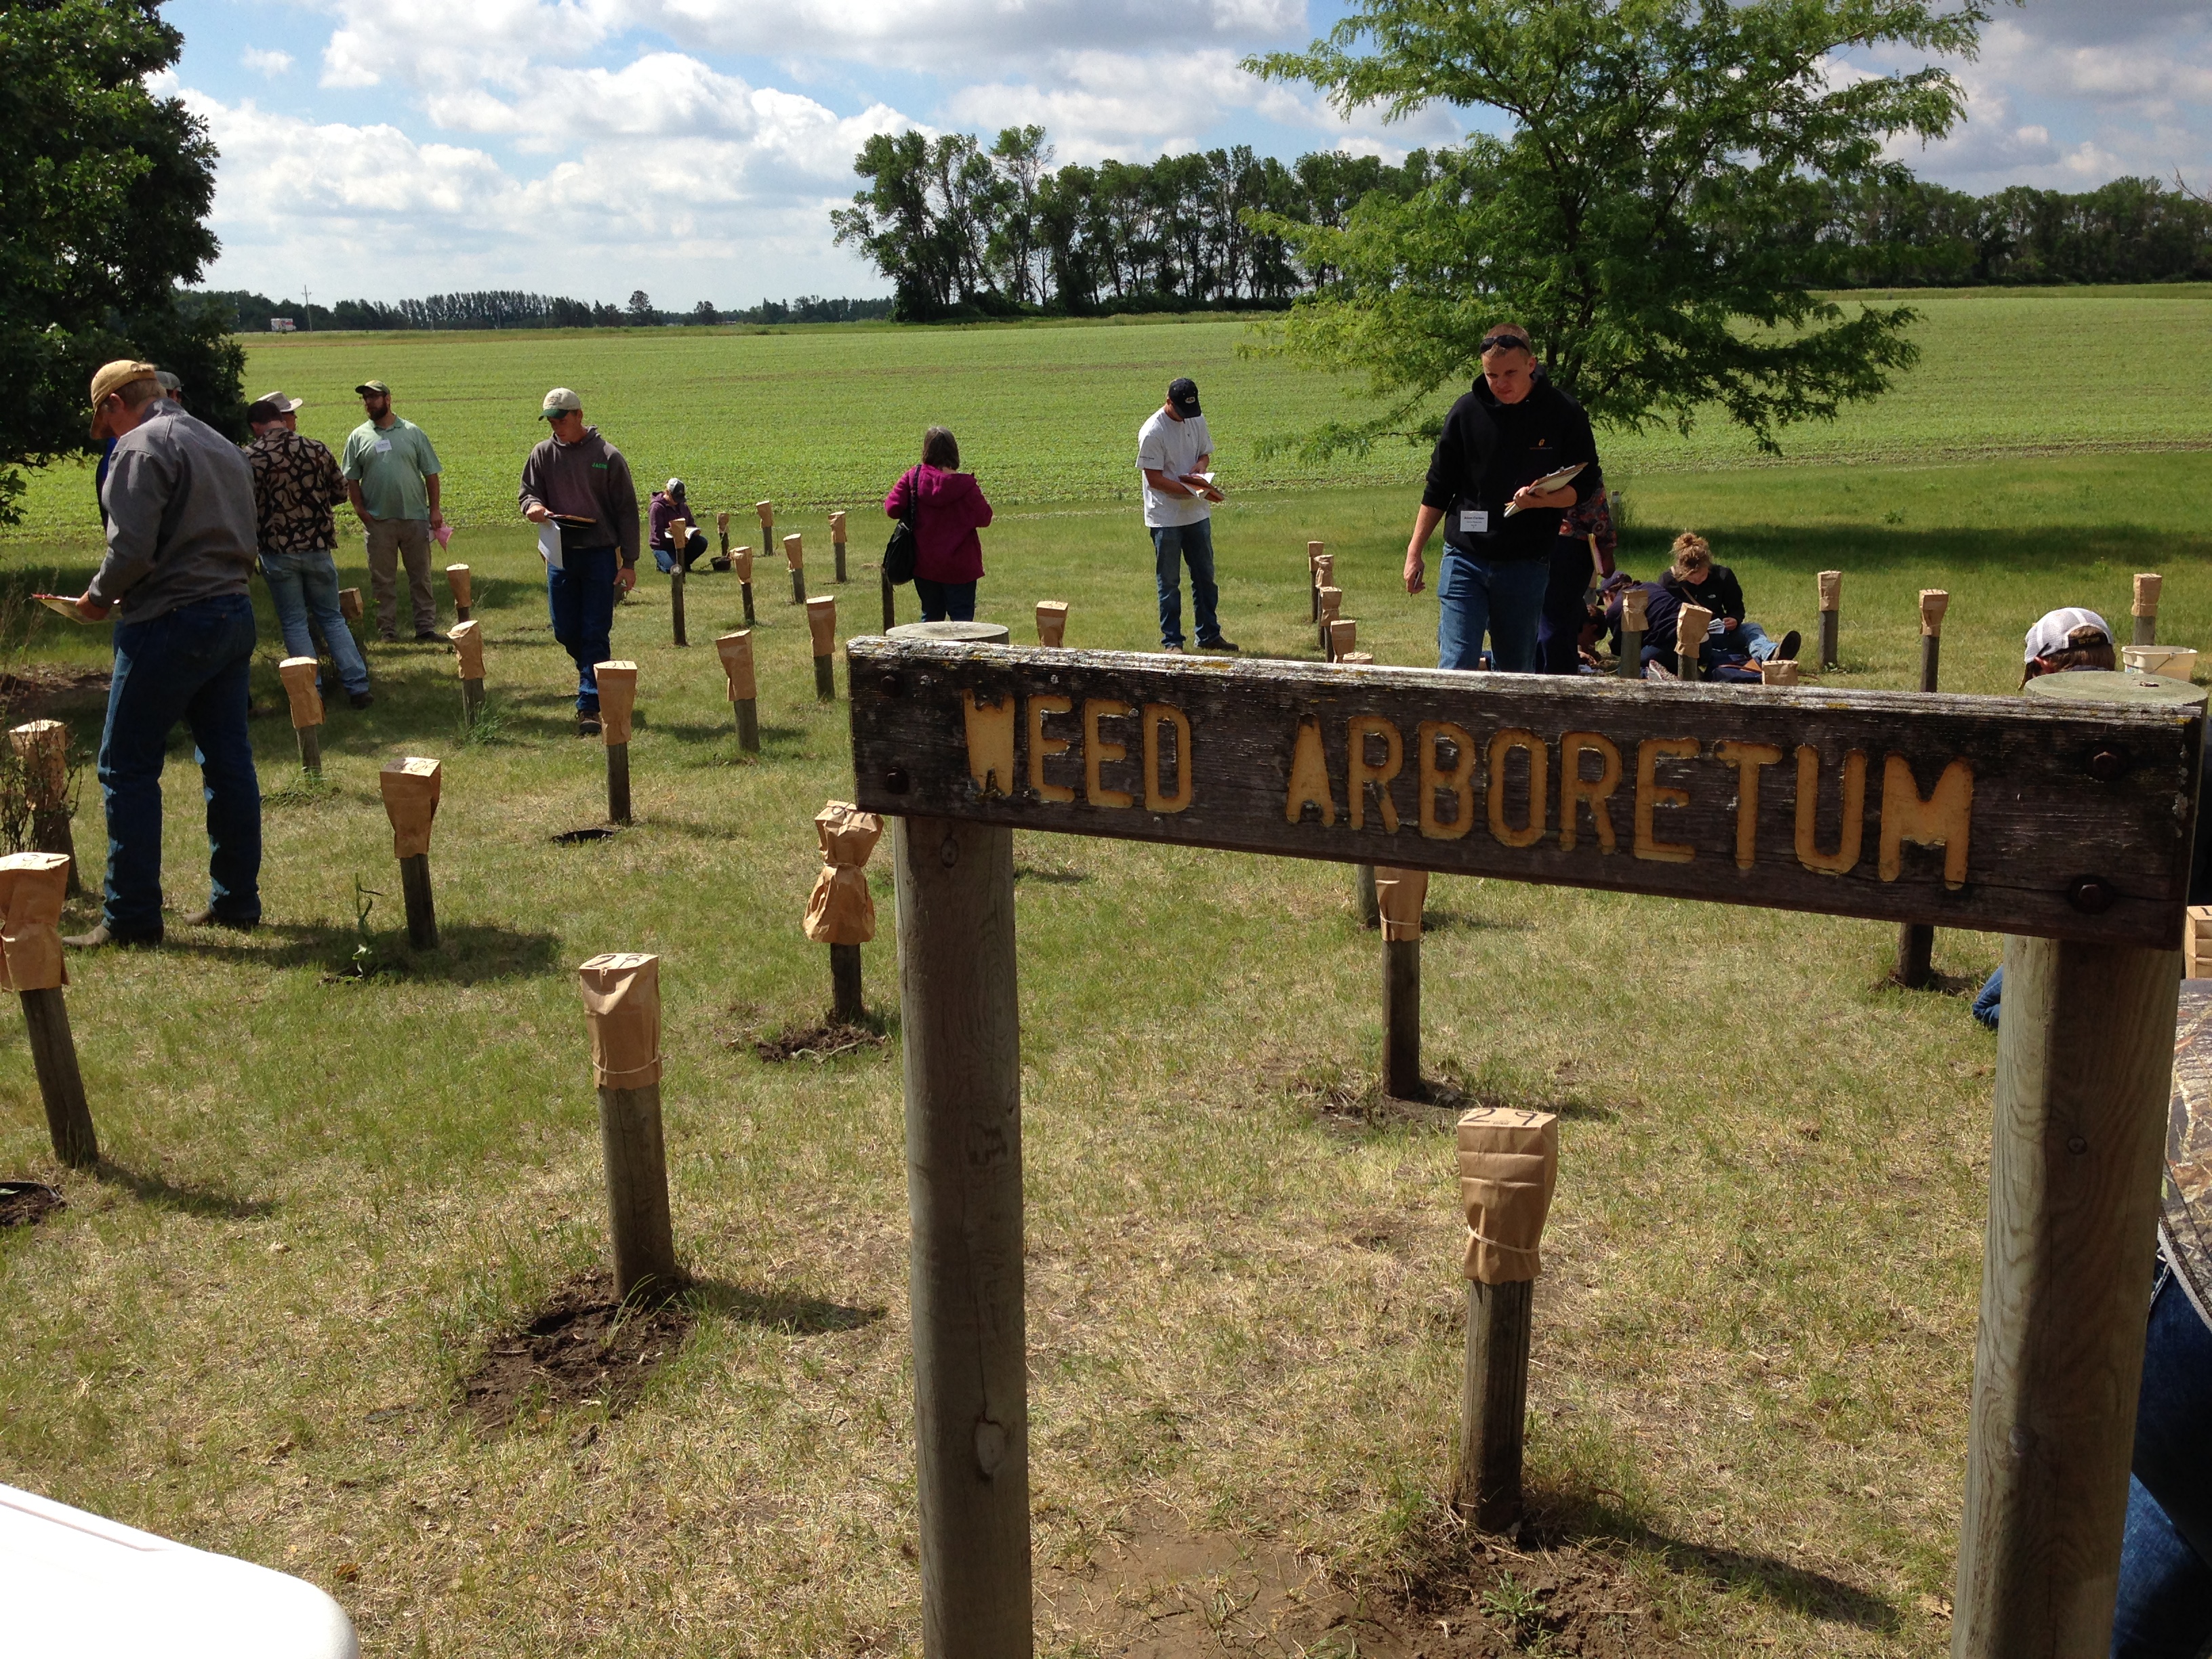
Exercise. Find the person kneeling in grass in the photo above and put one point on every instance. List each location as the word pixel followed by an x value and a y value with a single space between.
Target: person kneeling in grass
pixel 1694 579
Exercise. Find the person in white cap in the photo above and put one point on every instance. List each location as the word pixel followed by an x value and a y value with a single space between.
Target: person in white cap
pixel 576 487
pixel 667 506
pixel 296 482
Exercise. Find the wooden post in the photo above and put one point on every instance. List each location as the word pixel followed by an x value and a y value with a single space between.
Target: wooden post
pixel 42 750
pixel 722 537
pixel 847 1006
pixel 457 578
pixel 961 1018
pixel 349 604
pixel 1633 604
pixel 743 560
pixel 680 534
pixel 794 554
pixel 1332 604
pixel 841 912
pixel 822 623
pixel 1831 603
pixel 1508 1163
pixel 736 650
pixel 765 511
pixel 1690 623
pixel 32 886
pixel 410 789
pixel 1343 637
pixel 298 674
pixel 1365 903
pixel 838 543
pixel 1052 621
pixel 2147 587
pixel 1314 552
pixel 468 659
pixel 1916 940
pixel 1401 895
pixel 617 697
pixel 622 1006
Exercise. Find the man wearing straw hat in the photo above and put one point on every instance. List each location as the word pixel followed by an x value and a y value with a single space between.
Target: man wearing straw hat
pixel 180 543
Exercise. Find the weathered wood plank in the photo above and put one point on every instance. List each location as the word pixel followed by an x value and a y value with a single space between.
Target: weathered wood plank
pixel 2006 814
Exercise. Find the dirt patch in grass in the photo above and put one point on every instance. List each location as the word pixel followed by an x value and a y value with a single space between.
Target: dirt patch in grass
pixel 1161 1591
pixel 26 1203
pixel 816 1043
pixel 583 1347
pixel 36 690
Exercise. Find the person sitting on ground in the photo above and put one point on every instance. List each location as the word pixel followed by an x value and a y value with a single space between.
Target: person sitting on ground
pixel 1694 579
pixel 949 508
pixel 1662 607
pixel 668 505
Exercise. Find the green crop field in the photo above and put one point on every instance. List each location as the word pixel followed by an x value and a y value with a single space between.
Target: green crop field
pixel 326 1201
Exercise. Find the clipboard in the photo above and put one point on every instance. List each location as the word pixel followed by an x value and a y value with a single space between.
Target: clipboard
pixel 61 605
pixel 1548 483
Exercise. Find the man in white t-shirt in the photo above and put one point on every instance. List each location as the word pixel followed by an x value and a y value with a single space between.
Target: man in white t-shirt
pixel 1174 449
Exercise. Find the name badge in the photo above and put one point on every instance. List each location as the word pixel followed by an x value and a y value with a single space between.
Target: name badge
pixel 1474 522
pixel 384 445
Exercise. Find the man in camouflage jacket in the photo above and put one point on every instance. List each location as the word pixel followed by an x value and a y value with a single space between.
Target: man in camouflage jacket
pixel 296 482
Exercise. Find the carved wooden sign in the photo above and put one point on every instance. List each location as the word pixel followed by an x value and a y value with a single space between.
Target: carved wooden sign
pixel 2000 814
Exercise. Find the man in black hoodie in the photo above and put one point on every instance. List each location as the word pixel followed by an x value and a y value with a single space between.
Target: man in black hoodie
pixel 1512 429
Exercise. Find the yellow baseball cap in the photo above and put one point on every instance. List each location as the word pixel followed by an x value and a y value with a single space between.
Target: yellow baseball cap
pixel 112 378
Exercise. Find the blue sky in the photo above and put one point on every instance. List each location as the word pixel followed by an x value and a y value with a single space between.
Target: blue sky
pixel 693 148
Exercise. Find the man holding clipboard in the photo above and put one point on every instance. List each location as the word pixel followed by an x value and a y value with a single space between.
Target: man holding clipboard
pixel 577 490
pixel 1515 454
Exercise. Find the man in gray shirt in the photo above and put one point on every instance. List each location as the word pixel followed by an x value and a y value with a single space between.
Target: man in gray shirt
pixel 180 546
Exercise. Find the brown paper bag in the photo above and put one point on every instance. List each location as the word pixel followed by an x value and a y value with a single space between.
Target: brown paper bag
pixel 1343 635
pixel 1508 1163
pixel 1831 590
pixel 1354 658
pixel 737 653
pixel 1313 551
pixel 1776 671
pixel 821 622
pixel 32 888
pixel 794 550
pixel 622 1004
pixel 468 648
pixel 837 528
pixel 741 560
pixel 298 674
pixel 767 512
pixel 42 748
pixel 722 527
pixel 1399 894
pixel 1690 623
pixel 840 910
pixel 2148 588
pixel 617 698
pixel 1635 614
pixel 410 800
pixel 1324 566
pixel 1933 601
pixel 457 578
pixel 1052 620
pixel 349 604
pixel 1331 602
pixel 679 532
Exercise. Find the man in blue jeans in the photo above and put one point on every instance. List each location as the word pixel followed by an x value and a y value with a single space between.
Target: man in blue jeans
pixel 577 490
pixel 296 482
pixel 180 541
pixel 1174 450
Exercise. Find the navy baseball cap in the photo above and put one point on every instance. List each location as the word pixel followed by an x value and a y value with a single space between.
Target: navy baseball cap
pixel 1184 394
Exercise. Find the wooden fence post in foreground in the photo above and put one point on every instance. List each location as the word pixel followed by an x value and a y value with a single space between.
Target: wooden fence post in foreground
pixel 1832 604
pixel 838 543
pixel 457 578
pixel 822 623
pixel 468 659
pixel 2148 588
pixel 298 674
pixel 1916 940
pixel 42 750
pixel 742 560
pixel 1633 620
pixel 1508 1163
pixel 736 650
pixel 961 1017
pixel 722 537
pixel 32 888
pixel 622 1006
pixel 840 912
pixel 617 697
pixel 679 535
pixel 1690 623
pixel 410 789
pixel 1052 621
pixel 1315 551
pixel 794 554
pixel 1401 894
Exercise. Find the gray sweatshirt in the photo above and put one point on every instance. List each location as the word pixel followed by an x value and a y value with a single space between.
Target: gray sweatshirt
pixel 587 479
pixel 180 520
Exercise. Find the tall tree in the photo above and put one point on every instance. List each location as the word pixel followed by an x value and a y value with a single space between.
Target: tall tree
pixel 104 195
pixel 1627 215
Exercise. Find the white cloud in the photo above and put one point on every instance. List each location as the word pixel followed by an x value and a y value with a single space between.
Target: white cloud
pixel 270 62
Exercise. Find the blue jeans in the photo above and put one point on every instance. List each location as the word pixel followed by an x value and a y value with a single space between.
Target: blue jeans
pixel 945 601
pixel 1988 1004
pixel 301 583
pixel 1559 628
pixel 694 551
pixel 1174 545
pixel 581 598
pixel 2165 1608
pixel 1504 599
pixel 188 664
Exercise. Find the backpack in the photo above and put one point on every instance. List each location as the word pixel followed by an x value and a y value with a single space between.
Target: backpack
pixel 899 551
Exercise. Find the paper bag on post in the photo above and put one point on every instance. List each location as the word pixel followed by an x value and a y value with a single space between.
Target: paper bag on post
pixel 1324 568
pixel 766 510
pixel 410 800
pixel 468 648
pixel 821 622
pixel 1343 635
pixel 1052 621
pixel 42 749
pixel 1508 1163
pixel 349 604
pixel 622 1004
pixel 1331 602
pixel 837 528
pixel 840 910
pixel 617 697
pixel 298 674
pixel 1933 602
pixel 737 653
pixel 2149 585
pixel 32 888
pixel 457 578
pixel 1634 610
pixel 741 559
pixel 1401 895
pixel 794 550
pixel 1832 589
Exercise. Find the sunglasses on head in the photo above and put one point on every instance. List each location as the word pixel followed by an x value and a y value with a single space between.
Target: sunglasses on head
pixel 1513 342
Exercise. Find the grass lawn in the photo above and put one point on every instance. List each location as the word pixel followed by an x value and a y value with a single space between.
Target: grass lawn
pixel 324 1201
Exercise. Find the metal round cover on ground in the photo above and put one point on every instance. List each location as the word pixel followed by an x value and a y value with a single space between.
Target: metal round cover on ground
pixel 953 633
pixel 2106 685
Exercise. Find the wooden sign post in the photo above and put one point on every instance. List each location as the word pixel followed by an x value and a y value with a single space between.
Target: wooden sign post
pixel 457 578
pixel 41 748
pixel 723 540
pixel 410 789
pixel 1401 895
pixel 1315 551
pixel 622 1006
pixel 617 697
pixel 840 913
pixel 794 554
pixel 349 604
pixel 736 650
pixel 743 560
pixel 1692 622
pixel 1052 621
pixel 2147 587
pixel 1633 621
pixel 298 674
pixel 1916 940
pixel 2066 817
pixel 838 543
pixel 1508 1163
pixel 679 537
pixel 468 661
pixel 822 623
pixel 1832 604
pixel 32 886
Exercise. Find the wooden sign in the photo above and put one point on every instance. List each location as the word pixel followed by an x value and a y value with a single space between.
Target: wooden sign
pixel 2068 819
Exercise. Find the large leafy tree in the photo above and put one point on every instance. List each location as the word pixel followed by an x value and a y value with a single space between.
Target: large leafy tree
pixel 1637 212
pixel 103 195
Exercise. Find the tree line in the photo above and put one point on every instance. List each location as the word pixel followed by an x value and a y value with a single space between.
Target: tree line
pixel 499 309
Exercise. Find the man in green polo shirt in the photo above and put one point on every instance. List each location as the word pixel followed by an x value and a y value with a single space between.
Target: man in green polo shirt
pixel 391 478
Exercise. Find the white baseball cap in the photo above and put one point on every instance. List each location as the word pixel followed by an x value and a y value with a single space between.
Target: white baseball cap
pixel 560 401
pixel 2049 635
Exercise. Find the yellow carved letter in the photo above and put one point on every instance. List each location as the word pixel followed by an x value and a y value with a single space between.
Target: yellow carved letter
pixel 990 742
pixel 1357 773
pixel 1574 786
pixel 1456 780
pixel 1539 786
pixel 1941 820
pixel 1043 748
pixel 1309 778
pixel 1747 758
pixel 1649 796
pixel 1157 714
pixel 1809 807
pixel 1097 751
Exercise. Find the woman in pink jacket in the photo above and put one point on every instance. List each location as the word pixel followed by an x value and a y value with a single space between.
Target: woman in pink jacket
pixel 949 508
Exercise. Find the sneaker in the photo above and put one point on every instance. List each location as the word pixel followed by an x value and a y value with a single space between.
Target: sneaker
pixel 207 918
pixel 587 726
pixel 360 699
pixel 427 636
pixel 102 936
pixel 1217 645
pixel 1787 651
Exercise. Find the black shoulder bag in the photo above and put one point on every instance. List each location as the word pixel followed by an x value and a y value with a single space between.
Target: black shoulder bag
pixel 899 551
